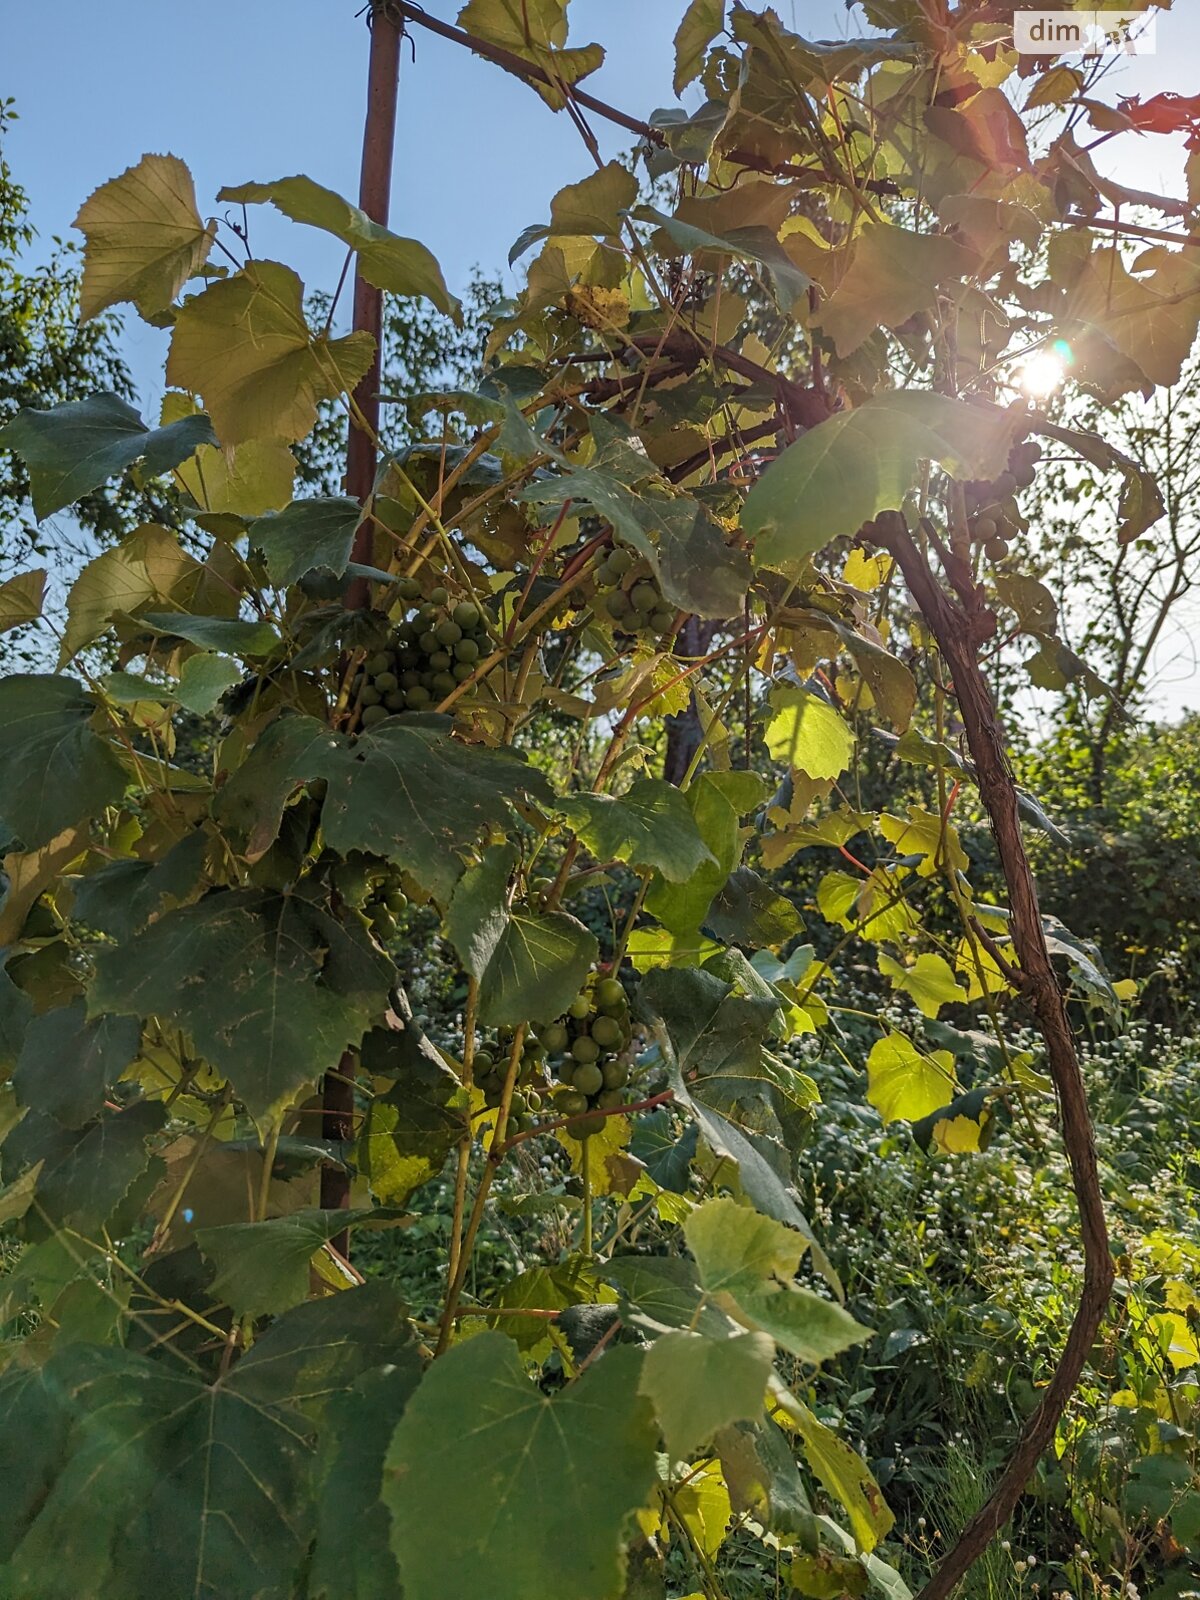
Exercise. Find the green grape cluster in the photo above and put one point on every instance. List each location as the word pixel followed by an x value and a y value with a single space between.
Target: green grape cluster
pixel 373 887
pixel 628 595
pixel 993 515
pixel 490 1069
pixel 589 1051
pixel 430 653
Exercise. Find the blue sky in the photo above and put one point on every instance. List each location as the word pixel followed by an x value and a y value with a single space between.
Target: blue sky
pixel 258 89
pixel 240 94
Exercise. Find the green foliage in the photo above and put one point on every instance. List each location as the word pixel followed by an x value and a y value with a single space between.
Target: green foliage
pixel 415 924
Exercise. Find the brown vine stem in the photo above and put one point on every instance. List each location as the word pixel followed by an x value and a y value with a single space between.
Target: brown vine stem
pixel 951 627
pixel 374 196
pixel 532 73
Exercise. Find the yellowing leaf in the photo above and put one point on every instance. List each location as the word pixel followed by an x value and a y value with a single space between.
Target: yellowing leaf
pixel 145 238
pixel 246 480
pixel 978 967
pixel 702 21
pixel 926 834
pixel 245 347
pixel 1173 1335
pixel 397 265
pixel 866 572
pixel 593 205
pixel 704 1507
pixel 149 566
pixel 535 30
pixel 1125 989
pixel 21 598
pixel 905 1085
pixel 958 1135
pixel 809 734
pixel 929 981
pixel 872 907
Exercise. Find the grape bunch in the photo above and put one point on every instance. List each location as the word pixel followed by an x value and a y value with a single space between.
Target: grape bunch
pixel 628 595
pixel 430 653
pixel 490 1069
pixel 589 1050
pixel 993 515
pixel 373 887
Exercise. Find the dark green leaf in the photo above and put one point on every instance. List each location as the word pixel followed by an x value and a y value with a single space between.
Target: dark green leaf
pixel 53 768
pixel 270 987
pixel 228 634
pixel 407 791
pixel 650 826
pixel 307 534
pixel 576 1468
pixel 262 1268
pixel 748 911
pixel 77 446
pixel 67 1062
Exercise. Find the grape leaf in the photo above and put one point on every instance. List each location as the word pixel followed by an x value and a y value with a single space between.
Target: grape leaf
pixel 67 1062
pixel 353 1556
pixel 594 205
pixel 903 1083
pixel 407 791
pixel 271 988
pixel 86 1173
pixel 409 1129
pixel 576 1468
pixel 150 565
pixel 245 347
pixel 651 825
pixel 263 1267
pixel 53 768
pixel 863 461
pixel 307 534
pixel 808 733
pixel 536 31
pixel 73 448
pixel 717 801
pixel 145 238
pixel 701 1385
pixel 394 264
pixel 209 1460
pixel 21 598
pixel 701 23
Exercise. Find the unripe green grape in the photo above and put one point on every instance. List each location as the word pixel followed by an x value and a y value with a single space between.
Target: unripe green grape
pixel 617 605
pixel 1004 485
pixel 996 549
pixel 606 1031
pixel 610 992
pixel 662 621
pixel 582 1128
pixel 417 696
pixel 585 1049
pixel 466 614
pixel 396 901
pixel 373 714
pixel 409 679
pixel 449 633
pixel 444 683
pixel 385 682
pixel 461 671
pixel 384 926
pixel 588 1079
pixel 370 696
pixel 379 663
pixel 619 559
pixel 984 528
pixel 555 1038
pixel 441 661
pixel 580 1007
pixel 438 596
pixel 616 1074
pixel 396 701
pixel 609 1100
pixel 533 1100
pixel 466 650
pixel 409 589
pixel 645 597
pixel 429 642
pixel 483 1063
pixel 569 1102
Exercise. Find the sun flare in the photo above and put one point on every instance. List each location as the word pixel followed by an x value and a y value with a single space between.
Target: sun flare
pixel 1043 374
